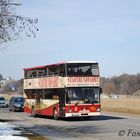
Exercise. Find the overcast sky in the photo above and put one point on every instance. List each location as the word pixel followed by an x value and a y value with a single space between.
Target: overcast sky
pixel 107 31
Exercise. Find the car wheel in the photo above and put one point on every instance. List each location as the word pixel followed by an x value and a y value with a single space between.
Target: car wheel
pixel 10 109
pixel 13 109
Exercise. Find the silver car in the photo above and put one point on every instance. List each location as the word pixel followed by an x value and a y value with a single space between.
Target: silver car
pixel 3 102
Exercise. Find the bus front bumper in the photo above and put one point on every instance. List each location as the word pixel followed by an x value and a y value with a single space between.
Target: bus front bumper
pixel 82 115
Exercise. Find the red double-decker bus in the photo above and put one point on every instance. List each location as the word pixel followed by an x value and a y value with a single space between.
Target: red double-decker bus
pixel 68 89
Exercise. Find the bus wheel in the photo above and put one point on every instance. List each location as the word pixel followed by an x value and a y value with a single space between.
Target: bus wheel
pixel 33 114
pixel 55 114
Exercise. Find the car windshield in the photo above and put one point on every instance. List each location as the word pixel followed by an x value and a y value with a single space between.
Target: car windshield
pixel 2 99
pixel 19 100
pixel 82 95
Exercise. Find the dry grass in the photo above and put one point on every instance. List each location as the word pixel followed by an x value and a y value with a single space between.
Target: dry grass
pixel 123 105
pixel 9 95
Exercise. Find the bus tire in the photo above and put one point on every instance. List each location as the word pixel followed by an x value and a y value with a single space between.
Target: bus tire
pixel 55 114
pixel 33 114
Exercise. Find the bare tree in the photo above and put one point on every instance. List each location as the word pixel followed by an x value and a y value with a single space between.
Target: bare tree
pixel 13 26
pixel 109 87
pixel 123 84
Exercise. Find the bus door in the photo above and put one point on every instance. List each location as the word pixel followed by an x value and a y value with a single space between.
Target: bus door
pixel 62 103
pixel 38 104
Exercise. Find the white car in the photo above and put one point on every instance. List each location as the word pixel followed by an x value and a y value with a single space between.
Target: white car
pixel 3 102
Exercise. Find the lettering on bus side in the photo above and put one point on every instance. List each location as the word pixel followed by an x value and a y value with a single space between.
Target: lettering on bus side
pixel 83 81
pixel 48 82
pixel 30 83
pixel 25 84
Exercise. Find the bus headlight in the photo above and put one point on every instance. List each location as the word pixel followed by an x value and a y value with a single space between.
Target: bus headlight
pixel 69 111
pixel 98 109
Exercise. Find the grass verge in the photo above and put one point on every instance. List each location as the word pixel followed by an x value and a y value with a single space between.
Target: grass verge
pixel 122 105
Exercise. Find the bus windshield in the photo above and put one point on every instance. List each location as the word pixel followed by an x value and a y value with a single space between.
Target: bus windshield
pixel 87 69
pixel 82 95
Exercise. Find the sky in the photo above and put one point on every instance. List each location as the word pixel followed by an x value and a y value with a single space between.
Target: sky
pixel 107 31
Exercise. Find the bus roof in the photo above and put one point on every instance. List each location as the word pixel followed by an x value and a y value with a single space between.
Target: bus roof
pixel 57 64
pixel 82 62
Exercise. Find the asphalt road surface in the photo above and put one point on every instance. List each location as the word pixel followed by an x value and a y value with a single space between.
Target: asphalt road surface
pixel 104 127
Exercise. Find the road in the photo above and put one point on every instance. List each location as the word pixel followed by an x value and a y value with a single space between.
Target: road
pixel 104 127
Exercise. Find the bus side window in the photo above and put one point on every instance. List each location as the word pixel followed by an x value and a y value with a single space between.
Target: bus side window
pixel 61 71
pixel 55 97
pixel 46 72
pixel 26 74
pixel 34 73
pixel 40 72
pixel 80 72
pixel 88 72
pixel 30 95
pixel 48 95
pixel 50 71
pixel 53 70
pixel 71 71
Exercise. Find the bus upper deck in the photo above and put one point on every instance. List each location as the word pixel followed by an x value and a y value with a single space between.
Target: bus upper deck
pixel 71 68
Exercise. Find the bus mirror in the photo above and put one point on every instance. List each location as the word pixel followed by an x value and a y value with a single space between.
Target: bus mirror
pixel 101 90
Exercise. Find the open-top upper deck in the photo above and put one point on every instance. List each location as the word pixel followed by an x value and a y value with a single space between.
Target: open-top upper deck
pixel 63 69
pixel 61 63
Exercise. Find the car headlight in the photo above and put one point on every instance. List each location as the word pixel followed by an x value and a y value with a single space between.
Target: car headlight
pixel 17 105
